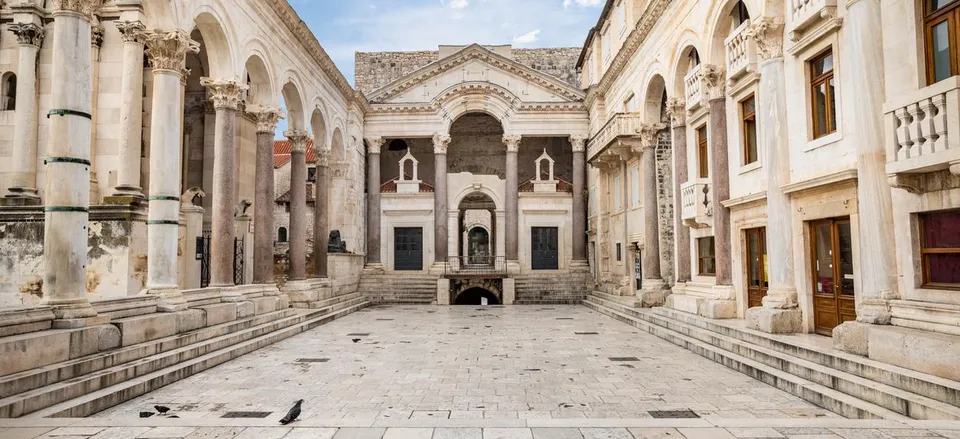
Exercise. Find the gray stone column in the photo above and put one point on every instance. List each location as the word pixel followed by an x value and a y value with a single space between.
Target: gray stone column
pixel 654 289
pixel 579 222
pixel 226 95
pixel 713 81
pixel 68 167
pixel 298 203
pixel 23 189
pixel 263 233
pixel 678 118
pixel 321 222
pixel 373 200
pixel 440 144
pixel 131 110
pixel 96 42
pixel 512 211
pixel 167 50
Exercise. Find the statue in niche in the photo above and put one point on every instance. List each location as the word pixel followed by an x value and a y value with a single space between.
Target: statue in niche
pixel 336 244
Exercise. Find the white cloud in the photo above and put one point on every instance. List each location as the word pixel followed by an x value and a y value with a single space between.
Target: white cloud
pixel 459 4
pixel 527 38
pixel 582 3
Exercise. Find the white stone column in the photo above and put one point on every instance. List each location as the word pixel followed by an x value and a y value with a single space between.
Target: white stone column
pixel 167 50
pixel 373 200
pixel 440 144
pixel 96 41
pixel 23 189
pixel 512 209
pixel 263 233
pixel 226 95
pixel 654 290
pixel 68 166
pixel 579 221
pixel 678 118
pixel 131 110
pixel 321 222
pixel 298 203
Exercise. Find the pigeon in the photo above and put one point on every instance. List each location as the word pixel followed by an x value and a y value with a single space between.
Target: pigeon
pixel 292 414
pixel 161 409
pixel 146 414
pixel 174 416
pixel 356 340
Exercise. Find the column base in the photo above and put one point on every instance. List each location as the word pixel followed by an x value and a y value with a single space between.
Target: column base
pixel 20 196
pixel 653 293
pixel 70 309
pixel 852 337
pixel 168 299
pixel 124 191
pixel 774 321
pixel 375 267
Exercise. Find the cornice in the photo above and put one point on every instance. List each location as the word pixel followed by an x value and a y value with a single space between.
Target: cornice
pixel 433 108
pixel 651 15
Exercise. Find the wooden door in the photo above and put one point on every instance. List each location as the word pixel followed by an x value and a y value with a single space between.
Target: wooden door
pixel 408 248
pixel 831 250
pixel 757 277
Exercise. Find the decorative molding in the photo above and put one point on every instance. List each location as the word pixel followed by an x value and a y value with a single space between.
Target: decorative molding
pixel 846 176
pixel 167 49
pixel 578 142
pixel 767 33
pixel 912 183
pixel 648 19
pixel 96 36
pixel 433 108
pixel 650 134
pixel 955 168
pixel 298 140
pixel 85 7
pixel 28 33
pixel 374 144
pixel 512 141
pixel 745 201
pixel 225 93
pixel 266 117
pixel 440 143
pixel 131 31
pixel 712 81
pixel 677 110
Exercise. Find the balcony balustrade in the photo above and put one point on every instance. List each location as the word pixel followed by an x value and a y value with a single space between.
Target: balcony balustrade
pixel 697 203
pixel 923 129
pixel 741 53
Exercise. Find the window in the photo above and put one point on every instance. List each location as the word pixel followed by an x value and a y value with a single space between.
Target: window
pixel 940 18
pixel 703 156
pixel 748 122
pixel 282 234
pixel 693 59
pixel 823 89
pixel 706 257
pixel 739 15
pixel 635 184
pixel 619 252
pixel 940 249
pixel 617 195
pixel 311 175
pixel 9 96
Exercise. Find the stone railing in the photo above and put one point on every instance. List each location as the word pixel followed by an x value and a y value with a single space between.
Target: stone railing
pixel 694 89
pixel 804 13
pixel 923 129
pixel 741 52
pixel 620 125
pixel 697 203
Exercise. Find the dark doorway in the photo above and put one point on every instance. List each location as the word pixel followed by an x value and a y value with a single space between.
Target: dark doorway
pixel 473 296
pixel 478 246
pixel 544 248
pixel 408 248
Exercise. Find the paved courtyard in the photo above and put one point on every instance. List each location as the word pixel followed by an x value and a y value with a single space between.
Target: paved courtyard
pixel 469 362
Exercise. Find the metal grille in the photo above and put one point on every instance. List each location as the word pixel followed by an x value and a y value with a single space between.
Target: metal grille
pixel 673 414
pixel 204 250
pixel 494 267
pixel 257 415
pixel 238 261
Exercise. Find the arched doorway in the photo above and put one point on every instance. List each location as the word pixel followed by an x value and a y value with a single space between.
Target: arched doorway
pixel 477 229
pixel 478 245
pixel 475 296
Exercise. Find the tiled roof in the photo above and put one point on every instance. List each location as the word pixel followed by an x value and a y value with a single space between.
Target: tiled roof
pixel 281 152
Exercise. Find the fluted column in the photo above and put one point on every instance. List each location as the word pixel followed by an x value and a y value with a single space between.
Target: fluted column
pixel 131 110
pixel 68 165
pixel 440 144
pixel 713 81
pixel 512 143
pixel 167 50
pixel 298 203
pixel 373 200
pixel 678 118
pixel 579 222
pixel 24 178
pixel 653 287
pixel 321 222
pixel 263 233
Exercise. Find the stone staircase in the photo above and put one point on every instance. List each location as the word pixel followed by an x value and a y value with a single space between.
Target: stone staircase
pixel 552 289
pixel 413 288
pixel 852 386
pixel 88 384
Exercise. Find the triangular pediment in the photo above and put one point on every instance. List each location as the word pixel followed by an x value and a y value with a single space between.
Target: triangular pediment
pixel 474 65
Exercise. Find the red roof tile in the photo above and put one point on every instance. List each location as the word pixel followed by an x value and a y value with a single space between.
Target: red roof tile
pixel 281 152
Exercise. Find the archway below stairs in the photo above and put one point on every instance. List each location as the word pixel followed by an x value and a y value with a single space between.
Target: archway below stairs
pixel 474 296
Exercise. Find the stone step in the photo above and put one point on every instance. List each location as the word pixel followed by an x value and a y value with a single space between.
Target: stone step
pixel 939 389
pixel 39 398
pixel 104 398
pixel 826 397
pixel 890 398
pixel 49 374
pixel 337 306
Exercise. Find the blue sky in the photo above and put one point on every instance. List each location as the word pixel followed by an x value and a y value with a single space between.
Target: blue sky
pixel 348 26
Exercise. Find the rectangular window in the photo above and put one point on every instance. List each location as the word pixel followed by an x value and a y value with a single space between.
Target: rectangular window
pixel 617 195
pixel 635 191
pixel 706 257
pixel 940 18
pixel 703 157
pixel 619 252
pixel 823 91
pixel 940 249
pixel 748 122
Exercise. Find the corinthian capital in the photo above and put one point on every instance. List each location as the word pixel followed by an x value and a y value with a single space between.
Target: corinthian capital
pixel 712 81
pixel 677 109
pixel 28 33
pixel 131 31
pixel 649 132
pixel 298 140
pixel 167 49
pixel 323 157
pixel 512 141
pixel 374 144
pixel 578 142
pixel 266 116
pixel 85 7
pixel 767 32
pixel 225 93
pixel 440 143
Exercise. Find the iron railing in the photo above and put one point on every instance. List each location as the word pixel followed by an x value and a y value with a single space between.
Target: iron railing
pixel 476 266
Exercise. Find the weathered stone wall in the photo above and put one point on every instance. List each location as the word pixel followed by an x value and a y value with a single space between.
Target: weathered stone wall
pixel 557 62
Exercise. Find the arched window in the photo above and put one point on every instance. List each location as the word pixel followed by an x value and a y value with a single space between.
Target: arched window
pixel 9 92
pixel 693 59
pixel 739 14
pixel 282 235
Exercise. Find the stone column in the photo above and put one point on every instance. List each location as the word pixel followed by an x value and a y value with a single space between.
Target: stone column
pixel 713 82
pixel 440 144
pixel 23 189
pixel 678 118
pixel 131 110
pixel 779 313
pixel 654 289
pixel 321 222
pixel 513 146
pixel 263 233
pixel 167 50
pixel 96 41
pixel 373 200
pixel 226 95
pixel 298 203
pixel 579 222
pixel 68 166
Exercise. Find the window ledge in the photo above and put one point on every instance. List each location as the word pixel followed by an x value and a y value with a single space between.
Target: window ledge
pixel 750 167
pixel 829 139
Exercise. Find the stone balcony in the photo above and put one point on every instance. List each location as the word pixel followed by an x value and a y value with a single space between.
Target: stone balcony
pixel 741 53
pixel 620 126
pixel 923 130
pixel 696 95
pixel 805 14
pixel 697 203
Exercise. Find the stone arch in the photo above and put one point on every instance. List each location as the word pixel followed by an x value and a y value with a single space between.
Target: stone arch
pixel 467 98
pixel 282 235
pixel 293 100
pixel 257 76
pixel 318 126
pixel 720 26
pixel 482 190
pixel 656 88
pixel 213 26
pixel 336 145
pixel 682 66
